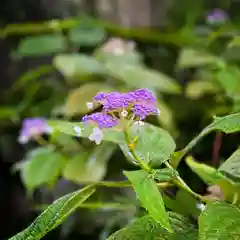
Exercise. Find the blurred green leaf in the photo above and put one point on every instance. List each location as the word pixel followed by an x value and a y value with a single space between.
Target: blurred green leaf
pixel 41 166
pixel 232 165
pixel 86 36
pixel 8 113
pixel 234 42
pixel 219 221
pixel 89 167
pixel 190 58
pixel 164 174
pixel 75 67
pixel 41 45
pixel 140 77
pixel 149 195
pixel 78 98
pixel 153 144
pixel 196 89
pixel 55 214
pixel 146 228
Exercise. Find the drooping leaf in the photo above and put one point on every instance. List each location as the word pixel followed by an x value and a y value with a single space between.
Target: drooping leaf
pixel 149 195
pixel 227 124
pixel 75 67
pixel 79 97
pixel 146 228
pixel 55 214
pixel 140 77
pixel 89 167
pixel 194 58
pixel 153 144
pixel 41 45
pixel 41 166
pixel 231 166
pixel 219 221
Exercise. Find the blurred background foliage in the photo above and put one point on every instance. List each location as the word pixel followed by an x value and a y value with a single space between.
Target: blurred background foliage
pixel 56 55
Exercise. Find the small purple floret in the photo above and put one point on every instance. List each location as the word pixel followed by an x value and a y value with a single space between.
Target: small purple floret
pixel 101 119
pixel 142 111
pixel 32 127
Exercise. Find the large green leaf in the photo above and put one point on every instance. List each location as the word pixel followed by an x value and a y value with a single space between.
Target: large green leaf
pixel 153 144
pixel 89 167
pixel 140 77
pixel 55 214
pixel 76 66
pixel 231 166
pixel 194 58
pixel 77 98
pixel 41 45
pixel 219 221
pixel 41 166
pixel 146 228
pixel 149 195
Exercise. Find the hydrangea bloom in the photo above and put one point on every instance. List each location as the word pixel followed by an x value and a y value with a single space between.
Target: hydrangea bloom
pixel 32 127
pixel 102 120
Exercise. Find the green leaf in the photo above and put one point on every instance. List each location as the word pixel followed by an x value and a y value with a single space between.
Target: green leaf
pixel 139 77
pixel 89 167
pixel 41 45
pixel 219 221
pixel 234 42
pixel 86 36
pixel 164 174
pixel 55 214
pixel 196 89
pixel 231 166
pixel 153 144
pixel 208 174
pixel 79 97
pixel 146 228
pixel 190 58
pixel 8 113
pixel 227 124
pixel 42 166
pixel 149 196
pixel 75 67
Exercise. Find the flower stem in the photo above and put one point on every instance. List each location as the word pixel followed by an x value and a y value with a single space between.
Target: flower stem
pixel 180 182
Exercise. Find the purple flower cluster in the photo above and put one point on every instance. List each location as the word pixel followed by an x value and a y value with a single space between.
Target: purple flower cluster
pixel 141 103
pixel 32 127
pixel 217 16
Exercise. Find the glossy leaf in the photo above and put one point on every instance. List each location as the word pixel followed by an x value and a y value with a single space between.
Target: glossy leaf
pixel 153 144
pixel 42 166
pixel 149 195
pixel 219 221
pixel 140 77
pixel 89 167
pixel 231 166
pixel 190 58
pixel 41 45
pixel 78 98
pixel 76 66
pixel 55 214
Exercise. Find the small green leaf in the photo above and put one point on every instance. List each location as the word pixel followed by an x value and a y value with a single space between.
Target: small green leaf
pixel 79 97
pixel 76 66
pixel 42 166
pixel 164 175
pixel 41 45
pixel 190 58
pixel 196 89
pixel 234 42
pixel 55 214
pixel 8 113
pixel 219 221
pixel 231 166
pixel 89 167
pixel 86 36
pixel 153 144
pixel 149 195
pixel 140 77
